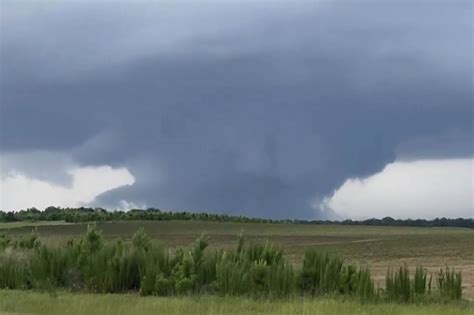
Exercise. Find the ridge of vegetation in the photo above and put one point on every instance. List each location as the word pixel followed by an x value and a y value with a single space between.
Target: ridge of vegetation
pixel 83 214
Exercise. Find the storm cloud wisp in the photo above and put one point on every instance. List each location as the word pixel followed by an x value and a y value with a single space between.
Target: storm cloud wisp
pixel 252 108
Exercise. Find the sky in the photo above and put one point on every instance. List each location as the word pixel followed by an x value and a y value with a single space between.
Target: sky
pixel 324 109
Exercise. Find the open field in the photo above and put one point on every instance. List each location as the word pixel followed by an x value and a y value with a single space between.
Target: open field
pixel 20 302
pixel 12 225
pixel 374 247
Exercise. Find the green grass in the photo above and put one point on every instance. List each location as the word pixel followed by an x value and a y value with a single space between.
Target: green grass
pixel 21 302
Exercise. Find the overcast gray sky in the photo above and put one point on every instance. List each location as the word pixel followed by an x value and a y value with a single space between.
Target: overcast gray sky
pixel 282 109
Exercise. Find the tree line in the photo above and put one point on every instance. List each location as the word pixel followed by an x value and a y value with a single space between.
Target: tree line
pixel 84 214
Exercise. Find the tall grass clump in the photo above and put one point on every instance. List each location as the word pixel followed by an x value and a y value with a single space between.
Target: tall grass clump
pixel 5 241
pixel 255 270
pixel 450 284
pixel 419 283
pixel 13 272
pixel 400 286
pixel 325 274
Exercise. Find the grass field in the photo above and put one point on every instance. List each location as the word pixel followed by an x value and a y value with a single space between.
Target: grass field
pixel 16 302
pixel 12 225
pixel 374 247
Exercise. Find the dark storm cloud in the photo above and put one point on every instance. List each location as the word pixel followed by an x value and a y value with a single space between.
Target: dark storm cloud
pixel 250 108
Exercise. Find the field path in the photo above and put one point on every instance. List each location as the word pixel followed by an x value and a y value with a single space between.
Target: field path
pixel 354 242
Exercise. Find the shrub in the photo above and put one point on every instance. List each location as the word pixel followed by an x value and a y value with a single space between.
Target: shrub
pixel 92 241
pixel 163 286
pixel 140 240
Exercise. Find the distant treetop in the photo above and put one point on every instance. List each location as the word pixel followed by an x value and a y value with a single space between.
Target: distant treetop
pixel 83 214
